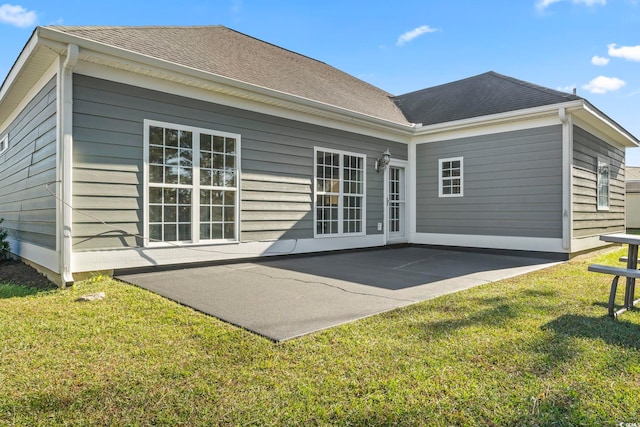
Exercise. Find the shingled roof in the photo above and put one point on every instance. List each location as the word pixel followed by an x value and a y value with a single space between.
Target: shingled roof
pixel 481 95
pixel 225 52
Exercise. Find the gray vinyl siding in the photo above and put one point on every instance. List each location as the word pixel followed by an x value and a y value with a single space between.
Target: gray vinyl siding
pixel 512 185
pixel 277 162
pixel 587 219
pixel 30 163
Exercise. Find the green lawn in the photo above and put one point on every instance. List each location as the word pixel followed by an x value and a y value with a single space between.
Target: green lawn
pixel 533 350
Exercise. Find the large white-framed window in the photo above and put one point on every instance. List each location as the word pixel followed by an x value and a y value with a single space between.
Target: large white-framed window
pixel 603 179
pixel 4 143
pixel 451 177
pixel 191 178
pixel 340 193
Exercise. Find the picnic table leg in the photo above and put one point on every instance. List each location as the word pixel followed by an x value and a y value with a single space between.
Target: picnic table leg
pixel 632 263
pixel 612 298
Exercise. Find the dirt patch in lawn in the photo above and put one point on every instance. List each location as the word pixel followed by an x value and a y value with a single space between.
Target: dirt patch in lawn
pixel 19 273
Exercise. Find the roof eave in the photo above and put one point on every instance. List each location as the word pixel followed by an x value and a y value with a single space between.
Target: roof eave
pixel 494 119
pixel 605 124
pixel 91 50
pixel 580 108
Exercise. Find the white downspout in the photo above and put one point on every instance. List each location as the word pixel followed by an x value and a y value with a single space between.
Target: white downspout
pixel 567 178
pixel 65 186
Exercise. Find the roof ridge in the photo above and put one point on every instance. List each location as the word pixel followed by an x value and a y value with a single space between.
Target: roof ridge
pixel 532 85
pixel 135 27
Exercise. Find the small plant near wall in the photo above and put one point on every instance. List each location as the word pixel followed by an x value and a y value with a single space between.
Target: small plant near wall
pixel 4 244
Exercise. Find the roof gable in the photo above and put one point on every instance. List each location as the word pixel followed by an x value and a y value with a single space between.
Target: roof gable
pixel 481 95
pixel 228 53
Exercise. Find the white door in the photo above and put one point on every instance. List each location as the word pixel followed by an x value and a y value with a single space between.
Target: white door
pixel 396 217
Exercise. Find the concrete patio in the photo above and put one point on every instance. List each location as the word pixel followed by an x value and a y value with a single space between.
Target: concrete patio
pixel 284 298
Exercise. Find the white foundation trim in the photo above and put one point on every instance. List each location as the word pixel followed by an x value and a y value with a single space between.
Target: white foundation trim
pixel 147 257
pixel 536 244
pixel 587 243
pixel 47 258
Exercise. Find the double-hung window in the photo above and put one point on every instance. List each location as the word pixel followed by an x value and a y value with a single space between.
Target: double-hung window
pixel 603 184
pixel 450 177
pixel 191 184
pixel 340 192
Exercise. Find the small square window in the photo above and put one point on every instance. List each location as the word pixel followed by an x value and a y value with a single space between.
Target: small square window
pixel 450 177
pixel 4 144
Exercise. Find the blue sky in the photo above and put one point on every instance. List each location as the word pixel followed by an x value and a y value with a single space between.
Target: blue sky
pixel 404 45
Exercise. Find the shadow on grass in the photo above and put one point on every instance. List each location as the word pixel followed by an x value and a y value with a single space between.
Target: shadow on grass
pixel 613 332
pixel 8 290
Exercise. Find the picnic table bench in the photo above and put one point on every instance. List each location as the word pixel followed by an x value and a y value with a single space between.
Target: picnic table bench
pixel 616 272
pixel 631 272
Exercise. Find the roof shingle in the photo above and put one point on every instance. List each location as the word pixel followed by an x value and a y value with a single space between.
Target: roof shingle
pixel 481 95
pixel 225 52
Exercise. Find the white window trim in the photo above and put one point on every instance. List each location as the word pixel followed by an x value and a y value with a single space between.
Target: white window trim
pixel 195 198
pixel 440 179
pixel 603 160
pixel 4 143
pixel 340 204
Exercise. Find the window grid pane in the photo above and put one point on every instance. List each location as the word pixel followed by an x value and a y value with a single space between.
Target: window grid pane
pixel 339 193
pixel 217 214
pixel 451 177
pixel 171 186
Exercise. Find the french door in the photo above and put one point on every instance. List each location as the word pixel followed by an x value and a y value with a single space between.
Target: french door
pixel 396 210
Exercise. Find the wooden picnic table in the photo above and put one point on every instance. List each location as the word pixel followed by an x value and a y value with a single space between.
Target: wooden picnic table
pixel 632 266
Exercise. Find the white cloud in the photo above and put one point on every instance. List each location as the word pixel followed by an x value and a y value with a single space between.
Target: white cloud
pixel 543 4
pixel 410 35
pixel 630 53
pixel 17 15
pixel 567 89
pixel 236 6
pixel 599 60
pixel 591 2
pixel 602 84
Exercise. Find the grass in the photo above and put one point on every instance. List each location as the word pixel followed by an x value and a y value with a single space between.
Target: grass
pixel 533 350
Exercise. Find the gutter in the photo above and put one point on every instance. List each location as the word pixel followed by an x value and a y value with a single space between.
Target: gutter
pixel 65 164
pixel 100 53
pixel 567 178
pixel 493 119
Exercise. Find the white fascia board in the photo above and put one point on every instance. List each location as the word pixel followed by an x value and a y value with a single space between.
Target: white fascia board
pixel 37 87
pixel 493 123
pixel 103 54
pixel 19 64
pixel 598 124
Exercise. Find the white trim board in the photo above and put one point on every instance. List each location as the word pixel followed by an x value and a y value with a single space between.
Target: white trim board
pixel 149 257
pixel 40 255
pixel 487 127
pixel 51 72
pixel 535 244
pixel 587 243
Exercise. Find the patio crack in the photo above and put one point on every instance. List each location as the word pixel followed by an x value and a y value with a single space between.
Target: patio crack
pixel 329 285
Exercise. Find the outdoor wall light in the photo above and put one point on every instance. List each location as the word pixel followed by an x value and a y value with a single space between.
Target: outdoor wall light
pixel 382 162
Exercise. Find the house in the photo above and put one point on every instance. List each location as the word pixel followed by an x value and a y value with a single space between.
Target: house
pixel 633 197
pixel 126 147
